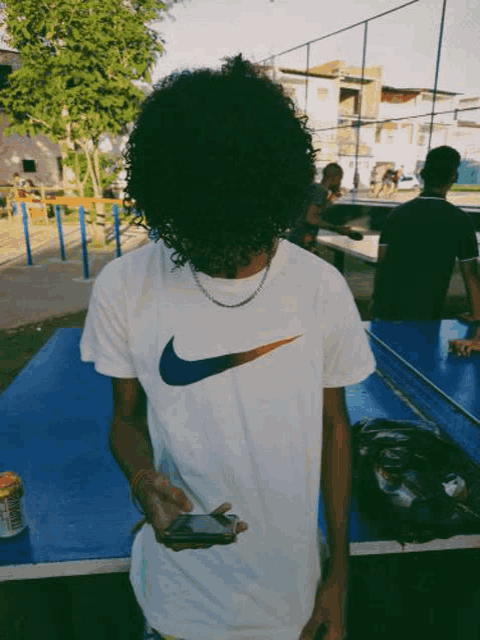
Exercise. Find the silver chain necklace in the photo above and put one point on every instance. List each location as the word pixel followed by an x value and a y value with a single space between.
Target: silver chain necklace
pixel 239 304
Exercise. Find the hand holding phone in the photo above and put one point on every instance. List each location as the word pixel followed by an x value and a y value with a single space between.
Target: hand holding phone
pixel 202 529
pixel 163 503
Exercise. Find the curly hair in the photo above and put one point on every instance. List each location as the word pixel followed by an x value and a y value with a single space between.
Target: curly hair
pixel 219 164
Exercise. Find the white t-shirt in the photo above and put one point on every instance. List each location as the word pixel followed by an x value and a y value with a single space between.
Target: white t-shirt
pixel 229 423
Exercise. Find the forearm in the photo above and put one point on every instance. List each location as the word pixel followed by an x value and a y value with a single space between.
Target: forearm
pixel 315 213
pixel 336 491
pixel 131 446
pixel 473 293
pixel 470 270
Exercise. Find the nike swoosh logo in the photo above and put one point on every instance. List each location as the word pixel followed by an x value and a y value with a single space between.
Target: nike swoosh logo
pixel 178 372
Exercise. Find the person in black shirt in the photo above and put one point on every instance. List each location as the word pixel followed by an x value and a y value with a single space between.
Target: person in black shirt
pixel 419 244
pixel 320 197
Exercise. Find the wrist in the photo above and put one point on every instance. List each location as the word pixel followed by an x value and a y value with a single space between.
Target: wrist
pixel 141 480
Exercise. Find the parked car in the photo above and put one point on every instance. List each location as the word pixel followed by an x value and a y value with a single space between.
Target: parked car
pixel 408 182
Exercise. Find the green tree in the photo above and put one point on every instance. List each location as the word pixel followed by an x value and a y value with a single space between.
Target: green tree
pixel 80 59
pixel 110 166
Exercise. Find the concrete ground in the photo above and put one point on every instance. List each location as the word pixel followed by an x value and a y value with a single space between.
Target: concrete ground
pixel 51 287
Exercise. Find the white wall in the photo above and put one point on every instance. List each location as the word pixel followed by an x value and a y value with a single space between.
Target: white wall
pixel 16 148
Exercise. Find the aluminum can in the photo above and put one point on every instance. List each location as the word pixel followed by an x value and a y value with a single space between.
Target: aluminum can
pixel 12 518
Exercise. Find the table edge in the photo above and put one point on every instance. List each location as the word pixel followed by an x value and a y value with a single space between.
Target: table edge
pixel 122 565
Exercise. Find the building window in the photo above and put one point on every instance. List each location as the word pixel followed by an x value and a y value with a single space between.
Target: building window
pixel 349 101
pixel 60 167
pixel 378 132
pixel 322 93
pixel 408 132
pixel 29 166
pixel 5 71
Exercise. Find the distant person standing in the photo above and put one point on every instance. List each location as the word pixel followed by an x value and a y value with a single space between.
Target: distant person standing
pixel 397 174
pixel 419 244
pixel 320 197
pixel 387 182
pixel 356 181
pixel 375 181
pixel 19 185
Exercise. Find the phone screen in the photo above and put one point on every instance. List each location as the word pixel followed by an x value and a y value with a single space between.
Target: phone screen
pixel 200 526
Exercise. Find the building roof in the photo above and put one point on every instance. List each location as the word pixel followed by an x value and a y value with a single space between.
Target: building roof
pixel 468 123
pixel 300 73
pixel 330 70
pixel 399 90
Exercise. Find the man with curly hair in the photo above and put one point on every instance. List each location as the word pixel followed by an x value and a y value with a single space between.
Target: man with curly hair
pixel 229 349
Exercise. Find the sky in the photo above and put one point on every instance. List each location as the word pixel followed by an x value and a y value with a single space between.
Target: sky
pixel 199 33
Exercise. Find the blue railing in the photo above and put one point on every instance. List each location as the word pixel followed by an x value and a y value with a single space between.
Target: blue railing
pixel 341 213
pixel 83 232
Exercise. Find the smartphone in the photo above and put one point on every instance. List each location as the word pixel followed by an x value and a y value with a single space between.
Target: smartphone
pixel 203 529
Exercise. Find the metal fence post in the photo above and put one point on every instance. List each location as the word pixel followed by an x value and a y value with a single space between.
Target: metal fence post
pixel 436 74
pixel 306 77
pixel 117 230
pixel 81 216
pixel 27 238
pixel 60 232
pixel 356 175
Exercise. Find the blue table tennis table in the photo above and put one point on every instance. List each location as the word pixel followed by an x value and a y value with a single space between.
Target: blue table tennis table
pixel 55 418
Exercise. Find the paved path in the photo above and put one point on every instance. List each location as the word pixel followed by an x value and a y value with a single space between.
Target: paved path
pixel 13 247
pixel 52 288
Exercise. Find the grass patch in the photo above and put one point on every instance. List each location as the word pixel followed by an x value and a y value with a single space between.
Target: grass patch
pixel 19 345
pixel 466 187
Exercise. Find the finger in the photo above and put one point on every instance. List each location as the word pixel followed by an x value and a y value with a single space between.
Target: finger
pixel 226 506
pixel 241 528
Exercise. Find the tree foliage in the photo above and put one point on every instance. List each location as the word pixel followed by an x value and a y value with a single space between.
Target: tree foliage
pixel 110 165
pixel 80 59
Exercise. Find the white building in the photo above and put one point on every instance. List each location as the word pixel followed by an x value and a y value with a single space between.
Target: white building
pixel 399 133
pixel 329 95
pixel 404 140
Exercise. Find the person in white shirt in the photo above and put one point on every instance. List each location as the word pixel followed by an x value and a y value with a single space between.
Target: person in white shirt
pixel 229 349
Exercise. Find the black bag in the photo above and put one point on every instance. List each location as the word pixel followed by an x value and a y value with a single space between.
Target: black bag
pixel 413 482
